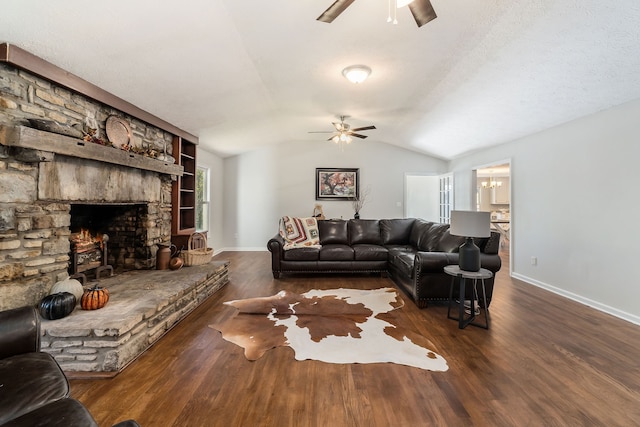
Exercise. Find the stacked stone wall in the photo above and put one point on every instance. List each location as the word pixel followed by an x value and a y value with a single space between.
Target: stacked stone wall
pixel 34 232
pixel 24 96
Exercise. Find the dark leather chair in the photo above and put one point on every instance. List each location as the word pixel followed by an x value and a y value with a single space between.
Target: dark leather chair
pixel 34 391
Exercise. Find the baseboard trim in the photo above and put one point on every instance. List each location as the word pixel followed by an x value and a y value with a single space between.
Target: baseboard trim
pixel 582 300
pixel 241 249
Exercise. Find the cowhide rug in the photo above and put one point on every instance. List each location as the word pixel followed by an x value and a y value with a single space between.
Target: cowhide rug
pixel 334 326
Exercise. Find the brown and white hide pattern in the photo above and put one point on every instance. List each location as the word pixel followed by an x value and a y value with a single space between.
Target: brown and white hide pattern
pixel 333 326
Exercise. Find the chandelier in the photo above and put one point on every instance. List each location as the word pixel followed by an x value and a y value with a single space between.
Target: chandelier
pixel 491 183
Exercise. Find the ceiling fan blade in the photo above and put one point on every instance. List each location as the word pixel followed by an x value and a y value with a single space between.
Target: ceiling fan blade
pixel 422 11
pixel 364 128
pixel 334 11
pixel 357 135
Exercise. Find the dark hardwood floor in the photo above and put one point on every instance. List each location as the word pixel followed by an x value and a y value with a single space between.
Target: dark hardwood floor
pixel 546 361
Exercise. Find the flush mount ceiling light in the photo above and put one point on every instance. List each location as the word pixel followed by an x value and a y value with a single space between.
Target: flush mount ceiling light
pixel 356 73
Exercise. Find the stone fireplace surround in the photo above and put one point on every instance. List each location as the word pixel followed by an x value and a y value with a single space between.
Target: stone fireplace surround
pixel 43 175
pixel 41 225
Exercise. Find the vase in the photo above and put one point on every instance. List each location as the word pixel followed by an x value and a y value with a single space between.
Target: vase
pixel 356 215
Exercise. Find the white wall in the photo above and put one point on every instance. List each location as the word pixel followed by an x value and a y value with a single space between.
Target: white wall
pixel 262 186
pixel 575 207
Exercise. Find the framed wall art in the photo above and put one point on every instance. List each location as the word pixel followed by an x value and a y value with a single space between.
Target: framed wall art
pixel 337 183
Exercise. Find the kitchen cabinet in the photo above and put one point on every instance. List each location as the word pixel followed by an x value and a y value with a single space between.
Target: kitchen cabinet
pixel 500 194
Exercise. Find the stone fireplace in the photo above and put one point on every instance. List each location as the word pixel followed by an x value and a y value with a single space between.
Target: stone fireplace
pixel 50 183
pixel 53 186
pixel 54 199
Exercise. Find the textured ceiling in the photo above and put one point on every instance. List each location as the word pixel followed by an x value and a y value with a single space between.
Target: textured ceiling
pixel 245 74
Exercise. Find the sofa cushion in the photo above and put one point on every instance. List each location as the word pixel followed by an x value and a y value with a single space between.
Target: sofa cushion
pixel 419 232
pixel 370 252
pixel 430 242
pixel 301 254
pixel 364 231
pixel 333 231
pixel 336 253
pixel 29 381
pixel 449 243
pixel 404 261
pixel 489 245
pixel 396 231
pixel 396 249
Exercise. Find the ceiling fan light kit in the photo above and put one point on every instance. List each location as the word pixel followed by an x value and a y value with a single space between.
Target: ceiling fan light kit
pixel 344 134
pixel 402 3
pixel 342 138
pixel 356 73
pixel 422 10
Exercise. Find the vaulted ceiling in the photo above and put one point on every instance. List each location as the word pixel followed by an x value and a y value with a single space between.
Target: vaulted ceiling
pixel 244 74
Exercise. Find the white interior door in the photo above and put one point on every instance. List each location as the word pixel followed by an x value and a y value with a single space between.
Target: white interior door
pixel 424 197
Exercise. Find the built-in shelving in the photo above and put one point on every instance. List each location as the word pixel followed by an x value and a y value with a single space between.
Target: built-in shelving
pixel 184 193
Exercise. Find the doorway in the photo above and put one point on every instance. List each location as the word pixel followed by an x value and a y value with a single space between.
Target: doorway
pixel 428 196
pixel 493 194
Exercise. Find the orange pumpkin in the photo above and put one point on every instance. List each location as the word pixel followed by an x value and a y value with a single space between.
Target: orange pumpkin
pixel 94 298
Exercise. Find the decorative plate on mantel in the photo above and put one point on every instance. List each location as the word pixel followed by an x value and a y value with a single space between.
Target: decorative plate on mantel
pixel 118 131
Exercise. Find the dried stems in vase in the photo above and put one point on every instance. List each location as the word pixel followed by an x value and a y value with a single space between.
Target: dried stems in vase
pixel 358 202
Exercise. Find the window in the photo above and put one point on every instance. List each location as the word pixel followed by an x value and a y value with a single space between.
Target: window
pixel 446 198
pixel 202 199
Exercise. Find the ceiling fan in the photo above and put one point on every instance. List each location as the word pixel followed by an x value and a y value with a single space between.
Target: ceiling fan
pixel 343 132
pixel 422 10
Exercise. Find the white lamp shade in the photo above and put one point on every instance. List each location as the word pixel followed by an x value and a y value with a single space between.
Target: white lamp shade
pixel 470 224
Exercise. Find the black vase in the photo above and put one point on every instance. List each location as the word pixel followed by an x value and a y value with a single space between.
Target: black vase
pixel 356 215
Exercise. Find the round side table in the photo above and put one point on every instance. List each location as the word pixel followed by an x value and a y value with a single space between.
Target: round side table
pixel 462 276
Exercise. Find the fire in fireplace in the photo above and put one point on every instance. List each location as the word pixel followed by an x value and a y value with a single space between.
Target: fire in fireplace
pixel 89 252
pixel 120 227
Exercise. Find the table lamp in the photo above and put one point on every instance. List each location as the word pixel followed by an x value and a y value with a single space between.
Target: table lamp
pixel 470 224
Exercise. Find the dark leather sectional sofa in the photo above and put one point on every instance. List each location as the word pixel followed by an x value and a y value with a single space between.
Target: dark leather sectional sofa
pixel 33 389
pixel 412 251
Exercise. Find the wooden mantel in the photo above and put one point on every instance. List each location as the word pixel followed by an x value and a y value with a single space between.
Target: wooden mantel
pixel 22 59
pixel 26 137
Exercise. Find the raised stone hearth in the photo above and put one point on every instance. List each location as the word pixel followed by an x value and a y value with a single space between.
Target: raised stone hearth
pixel 142 307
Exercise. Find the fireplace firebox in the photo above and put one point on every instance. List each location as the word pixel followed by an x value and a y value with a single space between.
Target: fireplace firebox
pixel 120 227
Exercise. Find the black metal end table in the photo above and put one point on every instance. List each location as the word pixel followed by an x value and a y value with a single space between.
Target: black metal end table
pixel 462 276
